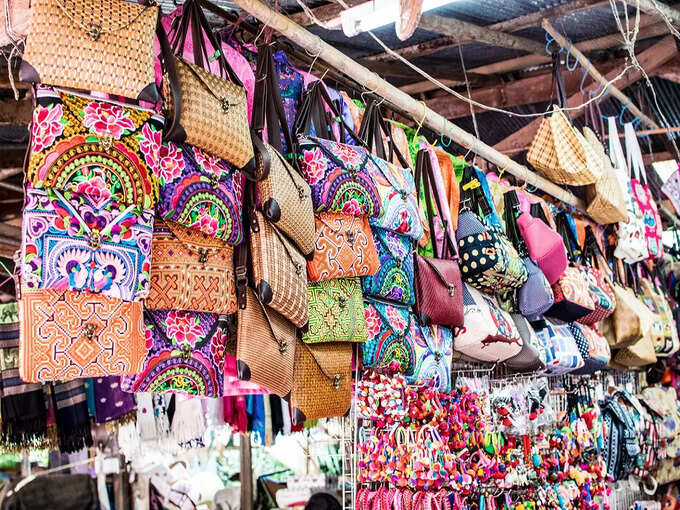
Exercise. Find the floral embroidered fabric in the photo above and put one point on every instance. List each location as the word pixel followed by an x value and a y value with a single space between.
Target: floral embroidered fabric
pixel 433 356
pixel 391 332
pixel 394 279
pixel 200 191
pixel 88 146
pixel 341 177
pixel 73 241
pixel 185 354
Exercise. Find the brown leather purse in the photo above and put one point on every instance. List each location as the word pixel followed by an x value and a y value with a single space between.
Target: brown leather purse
pixel 285 197
pixel 323 379
pixel 437 280
pixel 265 346
pixel 190 271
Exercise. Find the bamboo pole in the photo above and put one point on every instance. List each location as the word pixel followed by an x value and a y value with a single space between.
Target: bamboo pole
pixel 587 64
pixel 415 109
pixel 657 9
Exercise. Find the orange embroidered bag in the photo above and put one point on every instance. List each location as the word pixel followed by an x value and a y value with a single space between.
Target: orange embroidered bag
pixel 190 270
pixel 344 248
pixel 68 335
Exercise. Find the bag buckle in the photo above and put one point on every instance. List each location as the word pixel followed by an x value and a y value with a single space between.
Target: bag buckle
pixel 106 141
pixel 349 235
pixel 452 289
pixel 224 103
pixel 202 255
pixel 95 240
pixel 94 30
pixel 185 352
pixel 90 331
pixel 336 381
pixel 241 282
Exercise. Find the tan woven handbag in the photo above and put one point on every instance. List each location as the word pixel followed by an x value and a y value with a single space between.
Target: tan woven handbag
pixel 279 271
pixel 190 271
pixel 323 379
pixel 265 347
pixel 623 327
pixel 102 45
pixel 212 111
pixel 285 196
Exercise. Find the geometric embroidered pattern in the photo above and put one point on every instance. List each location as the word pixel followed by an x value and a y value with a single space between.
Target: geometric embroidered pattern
pixel 68 335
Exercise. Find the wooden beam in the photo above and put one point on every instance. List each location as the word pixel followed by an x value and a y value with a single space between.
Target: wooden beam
pixel 508 26
pixel 657 9
pixel 398 69
pixel 325 13
pixel 592 71
pixel 416 110
pixel 470 32
pixel 533 89
pixel 650 59
pixel 515 64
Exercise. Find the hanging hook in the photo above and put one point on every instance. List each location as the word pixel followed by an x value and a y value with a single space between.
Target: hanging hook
pixel 549 40
pixel 566 61
pixel 441 139
pixel 502 170
pixel 420 124
pixel 623 109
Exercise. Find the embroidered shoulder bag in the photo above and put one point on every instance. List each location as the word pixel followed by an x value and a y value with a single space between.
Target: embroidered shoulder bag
pixel 81 242
pixel 433 351
pixel 598 284
pixel 185 354
pixel 190 271
pixel 391 336
pixel 102 149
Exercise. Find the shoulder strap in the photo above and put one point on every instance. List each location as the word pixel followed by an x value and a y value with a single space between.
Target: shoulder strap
pixel 168 61
pixel 511 202
pixel 373 127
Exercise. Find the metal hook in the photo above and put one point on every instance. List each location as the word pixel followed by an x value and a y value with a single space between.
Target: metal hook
pixel 623 109
pixel 441 139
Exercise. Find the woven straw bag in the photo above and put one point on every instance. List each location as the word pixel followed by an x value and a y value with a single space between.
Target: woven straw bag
pixel 641 352
pixel 279 271
pixel 102 45
pixel 285 196
pixel 213 113
pixel 190 271
pixel 574 155
pixel 323 379
pixel 605 198
pixel 623 327
pixel 265 347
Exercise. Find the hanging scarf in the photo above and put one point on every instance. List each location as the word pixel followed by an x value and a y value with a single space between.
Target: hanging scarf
pixel 22 406
pixel 110 402
pixel 73 420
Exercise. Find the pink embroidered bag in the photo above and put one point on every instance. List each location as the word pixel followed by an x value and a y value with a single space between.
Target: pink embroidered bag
pixel 546 247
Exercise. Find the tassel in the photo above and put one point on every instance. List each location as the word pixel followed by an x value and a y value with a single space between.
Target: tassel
pixel 146 422
pixel 188 423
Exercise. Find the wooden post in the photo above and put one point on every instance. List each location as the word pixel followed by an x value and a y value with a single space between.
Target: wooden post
pixel 587 64
pixel 415 109
pixel 246 472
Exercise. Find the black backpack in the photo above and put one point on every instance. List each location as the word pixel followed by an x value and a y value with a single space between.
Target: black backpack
pixel 621 448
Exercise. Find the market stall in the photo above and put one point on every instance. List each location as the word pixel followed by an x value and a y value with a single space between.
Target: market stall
pixel 249 266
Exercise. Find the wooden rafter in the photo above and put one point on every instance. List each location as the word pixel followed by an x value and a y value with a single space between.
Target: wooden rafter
pixel 509 26
pixel 657 9
pixel 650 59
pixel 325 13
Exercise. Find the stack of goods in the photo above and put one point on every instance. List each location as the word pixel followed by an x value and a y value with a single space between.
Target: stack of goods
pixel 451 449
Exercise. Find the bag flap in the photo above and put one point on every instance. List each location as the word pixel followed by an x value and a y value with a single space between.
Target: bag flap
pixel 331 358
pixel 193 238
pixel 97 18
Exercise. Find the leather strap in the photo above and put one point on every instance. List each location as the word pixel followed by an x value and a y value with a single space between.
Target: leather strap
pixel 373 127
pixel 472 194
pixel 511 202
pixel 168 62
pixel 567 233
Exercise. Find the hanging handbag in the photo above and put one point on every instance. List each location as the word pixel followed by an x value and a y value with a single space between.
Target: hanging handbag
pixel 433 352
pixel 323 380
pixel 643 195
pixel 489 333
pixel 437 279
pixel 68 335
pixel 284 196
pixel 394 279
pixel 396 185
pixel 103 45
pixel 336 312
pixel 92 147
pixel 535 297
pixel 205 110
pixel 74 241
pixel 593 347
pixel 200 191
pixel 558 150
pixel 671 190
pixel 545 245
pixel 391 335
pixel 572 294
pixel 605 199
pixel 339 175
pixel 185 354
pixel 488 261
pixel 562 353
pixel 598 284
pixel 279 275
pixel 631 245
pixel 532 357
pixel 190 271
pixel 265 346
pixel 624 326
pixel 344 247
pixel 655 300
